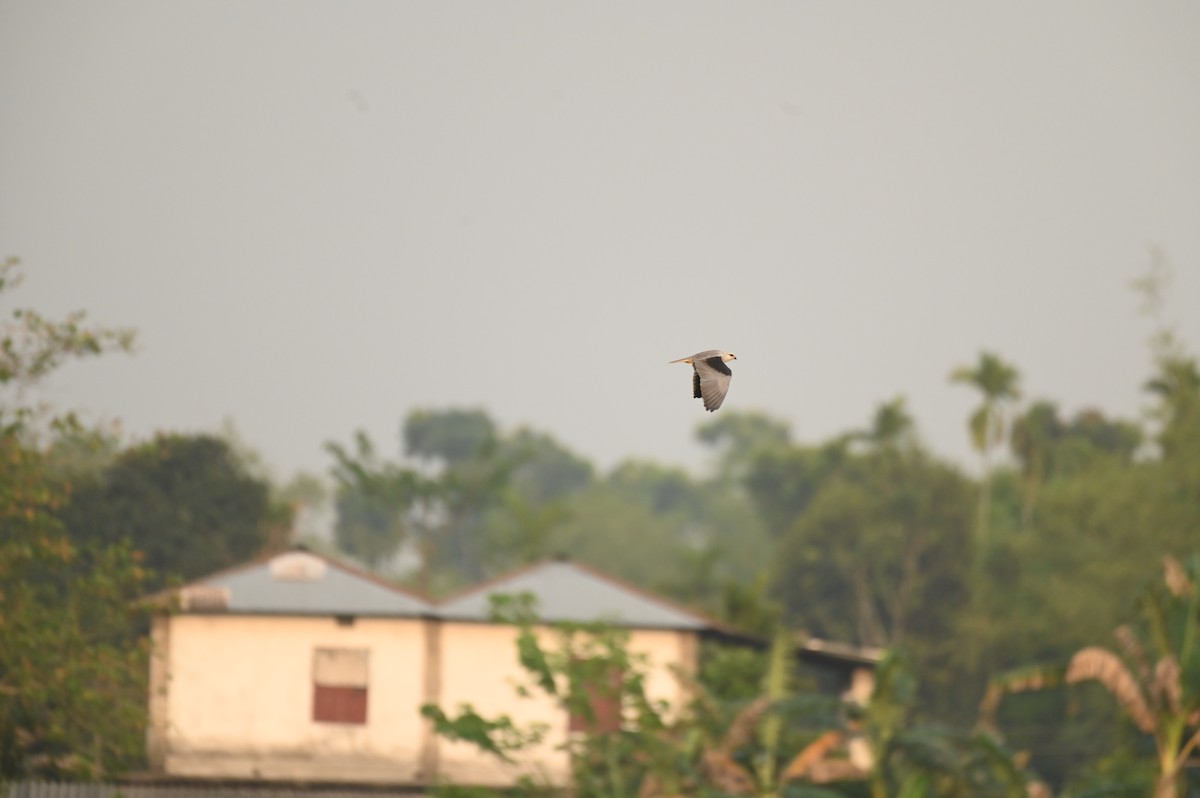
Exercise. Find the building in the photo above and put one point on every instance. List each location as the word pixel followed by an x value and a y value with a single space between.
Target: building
pixel 298 668
pixel 294 668
pixel 666 635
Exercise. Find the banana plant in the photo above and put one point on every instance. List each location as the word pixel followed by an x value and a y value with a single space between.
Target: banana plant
pixel 1154 674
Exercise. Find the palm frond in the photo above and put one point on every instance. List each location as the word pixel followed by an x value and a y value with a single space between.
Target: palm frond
pixel 1132 648
pixel 727 775
pixel 930 748
pixel 1037 677
pixel 1176 577
pixel 812 753
pixel 741 730
pixel 1102 665
pixel 1167 685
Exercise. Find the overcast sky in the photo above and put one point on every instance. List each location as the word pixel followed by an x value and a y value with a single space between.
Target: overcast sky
pixel 320 216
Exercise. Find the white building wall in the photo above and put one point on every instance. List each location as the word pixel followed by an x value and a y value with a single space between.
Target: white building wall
pixel 239 691
pixel 231 697
pixel 481 667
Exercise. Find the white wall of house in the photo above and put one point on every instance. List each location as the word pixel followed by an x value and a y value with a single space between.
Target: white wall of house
pixel 232 697
pixel 480 667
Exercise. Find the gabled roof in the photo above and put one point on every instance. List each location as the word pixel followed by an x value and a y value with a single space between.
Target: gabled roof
pixel 567 591
pixel 299 582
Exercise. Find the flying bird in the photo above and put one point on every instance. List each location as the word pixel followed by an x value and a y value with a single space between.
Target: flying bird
pixel 710 376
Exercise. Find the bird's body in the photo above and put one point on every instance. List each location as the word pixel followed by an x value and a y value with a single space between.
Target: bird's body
pixel 710 376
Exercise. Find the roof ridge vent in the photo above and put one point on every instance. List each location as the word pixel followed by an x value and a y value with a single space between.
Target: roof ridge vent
pixel 204 597
pixel 297 566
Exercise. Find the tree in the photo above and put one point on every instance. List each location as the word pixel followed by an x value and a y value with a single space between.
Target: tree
pixel 1177 386
pixel 782 482
pixel 72 666
pixel 450 436
pixel 32 347
pixel 874 557
pixel 739 436
pixel 371 497
pixel 1049 448
pixel 999 383
pixel 544 470
pixel 184 501
pixel 892 426
pixel 474 501
pixel 876 552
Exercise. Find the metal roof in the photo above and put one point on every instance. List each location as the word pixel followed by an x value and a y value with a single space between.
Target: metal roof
pixel 565 591
pixel 300 583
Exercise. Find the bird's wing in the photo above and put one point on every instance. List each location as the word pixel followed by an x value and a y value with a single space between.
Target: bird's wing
pixel 713 377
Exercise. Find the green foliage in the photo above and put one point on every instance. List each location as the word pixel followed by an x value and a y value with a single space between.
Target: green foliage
pixel 545 470
pixel 370 496
pixel 740 437
pixel 440 510
pixel 1154 676
pixel 72 667
pixel 777 743
pixel 892 426
pixel 920 759
pixel 999 383
pixel 499 737
pixel 520 497
pixel 32 347
pixel 449 436
pixel 184 501
pixel 72 664
pixel 1119 775
pixel 878 556
pixel 865 537
pixel 783 481
pixel 660 527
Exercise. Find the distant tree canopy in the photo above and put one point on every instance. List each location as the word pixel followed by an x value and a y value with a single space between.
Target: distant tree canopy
pixel 521 496
pixel 449 436
pixel 184 501
pixel 866 537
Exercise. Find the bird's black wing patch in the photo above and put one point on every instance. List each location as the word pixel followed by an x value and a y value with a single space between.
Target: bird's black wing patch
pixel 696 385
pixel 717 364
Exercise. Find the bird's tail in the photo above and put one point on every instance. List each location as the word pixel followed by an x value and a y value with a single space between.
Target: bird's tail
pixel 682 360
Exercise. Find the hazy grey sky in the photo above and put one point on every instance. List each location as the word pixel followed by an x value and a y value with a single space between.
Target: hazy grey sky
pixel 322 215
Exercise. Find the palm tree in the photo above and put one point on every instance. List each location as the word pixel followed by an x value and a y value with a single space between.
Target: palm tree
pixel 999 383
pixel 1034 435
pixel 892 426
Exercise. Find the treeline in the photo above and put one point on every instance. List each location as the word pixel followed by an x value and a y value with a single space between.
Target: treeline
pixel 867 538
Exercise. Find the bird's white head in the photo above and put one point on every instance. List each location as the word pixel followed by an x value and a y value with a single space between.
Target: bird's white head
pixel 728 356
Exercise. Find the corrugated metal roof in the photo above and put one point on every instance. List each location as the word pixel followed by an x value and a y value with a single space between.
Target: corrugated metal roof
pixel 565 591
pixel 301 583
